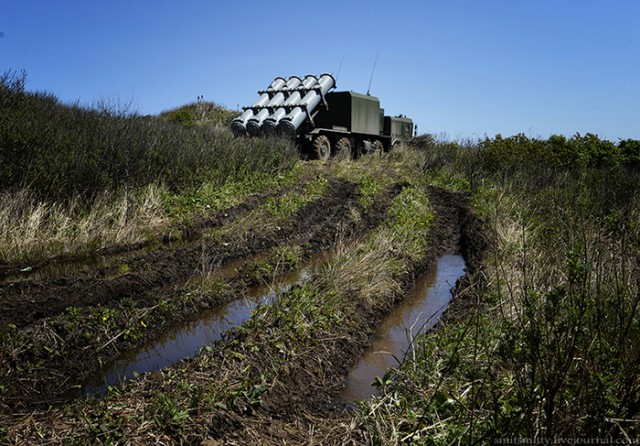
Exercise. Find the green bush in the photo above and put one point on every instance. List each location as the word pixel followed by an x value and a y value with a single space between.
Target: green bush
pixel 184 115
pixel 200 113
pixel 630 149
pixel 586 151
pixel 554 348
pixel 58 150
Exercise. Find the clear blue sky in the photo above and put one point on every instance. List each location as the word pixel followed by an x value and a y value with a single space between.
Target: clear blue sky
pixel 464 68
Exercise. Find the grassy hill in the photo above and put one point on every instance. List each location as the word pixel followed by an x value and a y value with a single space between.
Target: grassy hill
pixel 199 113
pixel 59 151
pixel 115 227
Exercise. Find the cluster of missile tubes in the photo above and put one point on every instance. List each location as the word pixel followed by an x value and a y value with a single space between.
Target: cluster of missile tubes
pixel 283 106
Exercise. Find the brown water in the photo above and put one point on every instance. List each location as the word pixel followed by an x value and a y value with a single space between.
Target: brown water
pixel 54 271
pixel 65 268
pixel 421 309
pixel 183 342
pixel 188 339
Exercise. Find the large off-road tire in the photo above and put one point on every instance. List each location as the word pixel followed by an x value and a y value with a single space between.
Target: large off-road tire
pixel 398 145
pixel 343 149
pixel 378 148
pixel 322 147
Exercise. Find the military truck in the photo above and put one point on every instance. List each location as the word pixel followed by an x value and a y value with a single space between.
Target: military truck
pixel 325 122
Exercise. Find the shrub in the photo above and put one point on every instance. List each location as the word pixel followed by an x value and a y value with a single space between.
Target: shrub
pixel 59 151
pixel 630 149
pixel 586 151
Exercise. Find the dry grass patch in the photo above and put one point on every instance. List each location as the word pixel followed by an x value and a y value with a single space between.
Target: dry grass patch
pixel 33 229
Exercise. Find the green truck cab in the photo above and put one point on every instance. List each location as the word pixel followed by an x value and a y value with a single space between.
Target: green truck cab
pixel 353 124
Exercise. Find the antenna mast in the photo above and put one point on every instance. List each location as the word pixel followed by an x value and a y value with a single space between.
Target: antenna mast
pixel 339 68
pixel 372 71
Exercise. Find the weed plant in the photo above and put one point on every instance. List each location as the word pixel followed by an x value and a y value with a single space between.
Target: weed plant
pixel 32 229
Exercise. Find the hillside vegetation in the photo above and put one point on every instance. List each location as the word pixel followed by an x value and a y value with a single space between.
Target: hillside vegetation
pixel 75 179
pixel 541 342
pixel 199 113
pixel 59 151
pixel 544 342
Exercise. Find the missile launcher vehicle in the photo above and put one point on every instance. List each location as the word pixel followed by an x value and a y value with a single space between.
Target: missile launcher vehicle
pixel 324 122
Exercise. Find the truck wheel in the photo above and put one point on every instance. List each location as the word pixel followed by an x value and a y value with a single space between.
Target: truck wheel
pixel 343 149
pixel 397 145
pixel 378 148
pixel 322 147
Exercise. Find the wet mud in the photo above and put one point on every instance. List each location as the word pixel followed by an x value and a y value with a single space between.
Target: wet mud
pixel 188 338
pixel 32 305
pixel 309 387
pixel 311 397
pixel 422 308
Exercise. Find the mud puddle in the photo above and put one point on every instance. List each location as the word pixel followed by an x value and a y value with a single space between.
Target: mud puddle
pixel 87 266
pixel 212 271
pixel 190 338
pixel 53 271
pixel 421 309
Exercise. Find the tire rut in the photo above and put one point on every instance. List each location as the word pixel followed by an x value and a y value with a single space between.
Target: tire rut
pixel 104 258
pixel 456 229
pixel 24 303
pixel 314 227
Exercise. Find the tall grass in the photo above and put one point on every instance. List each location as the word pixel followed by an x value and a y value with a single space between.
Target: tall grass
pixel 552 348
pixel 75 179
pixel 59 151
pixel 33 229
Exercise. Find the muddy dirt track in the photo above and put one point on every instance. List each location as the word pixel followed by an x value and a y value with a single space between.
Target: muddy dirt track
pixel 302 406
pixel 26 302
pixel 48 348
pixel 33 377
pixel 307 397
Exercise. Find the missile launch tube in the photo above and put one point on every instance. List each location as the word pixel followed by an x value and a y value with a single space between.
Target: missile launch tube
pixel 290 123
pixel 238 126
pixel 270 124
pixel 255 122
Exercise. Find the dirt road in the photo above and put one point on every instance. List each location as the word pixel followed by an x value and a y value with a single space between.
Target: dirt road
pixel 61 326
